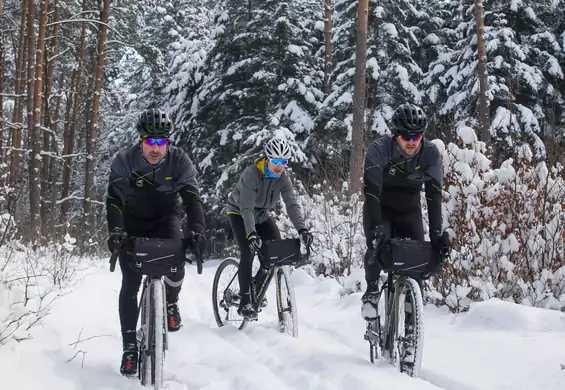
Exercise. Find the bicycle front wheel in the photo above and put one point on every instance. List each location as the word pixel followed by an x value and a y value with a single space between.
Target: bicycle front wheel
pixel 226 294
pixel 410 337
pixel 286 302
pixel 153 353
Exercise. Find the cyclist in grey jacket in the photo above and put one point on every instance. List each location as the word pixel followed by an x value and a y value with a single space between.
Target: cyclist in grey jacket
pixel 254 195
pixel 396 169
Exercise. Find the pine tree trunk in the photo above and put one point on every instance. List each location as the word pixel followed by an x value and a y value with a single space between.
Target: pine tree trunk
pixel 48 136
pixel 17 115
pixel 55 163
pixel 93 130
pixel 70 126
pixel 328 24
pixel 32 165
pixel 483 74
pixel 358 133
pixel 2 151
pixel 35 158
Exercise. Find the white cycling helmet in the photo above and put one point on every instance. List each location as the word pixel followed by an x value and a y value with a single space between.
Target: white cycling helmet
pixel 278 148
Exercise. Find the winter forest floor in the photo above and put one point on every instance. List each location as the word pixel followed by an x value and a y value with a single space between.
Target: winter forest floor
pixel 495 346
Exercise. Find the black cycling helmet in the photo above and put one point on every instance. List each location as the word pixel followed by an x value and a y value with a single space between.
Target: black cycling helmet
pixel 154 123
pixel 409 119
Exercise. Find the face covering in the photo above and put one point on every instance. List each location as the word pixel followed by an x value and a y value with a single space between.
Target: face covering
pixel 270 174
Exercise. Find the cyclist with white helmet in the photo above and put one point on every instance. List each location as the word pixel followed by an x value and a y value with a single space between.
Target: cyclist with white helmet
pixel 253 197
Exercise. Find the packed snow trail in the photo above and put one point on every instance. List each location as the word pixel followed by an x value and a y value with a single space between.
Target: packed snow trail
pixel 522 349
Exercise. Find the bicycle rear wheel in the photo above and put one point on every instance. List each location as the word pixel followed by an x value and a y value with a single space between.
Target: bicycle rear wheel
pixel 410 337
pixel 226 294
pixel 286 302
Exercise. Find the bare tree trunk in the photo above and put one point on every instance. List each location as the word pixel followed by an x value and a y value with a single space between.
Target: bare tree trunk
pixel 358 133
pixel 55 164
pixel 35 164
pixel 2 151
pixel 70 126
pixel 48 136
pixel 484 122
pixel 17 115
pixel 328 24
pixel 89 193
pixel 33 184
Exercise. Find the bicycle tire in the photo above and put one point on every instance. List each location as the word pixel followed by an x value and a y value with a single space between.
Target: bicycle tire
pixel 145 365
pixel 218 311
pixel 286 305
pixel 410 347
pixel 159 319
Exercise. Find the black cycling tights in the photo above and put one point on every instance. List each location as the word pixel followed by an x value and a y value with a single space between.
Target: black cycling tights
pixel 267 230
pixel 407 225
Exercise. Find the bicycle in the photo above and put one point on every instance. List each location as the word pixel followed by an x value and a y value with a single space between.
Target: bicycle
pixel 154 258
pixel 275 256
pixel 399 334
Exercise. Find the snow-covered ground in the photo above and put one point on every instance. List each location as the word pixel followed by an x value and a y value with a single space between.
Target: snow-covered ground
pixel 496 345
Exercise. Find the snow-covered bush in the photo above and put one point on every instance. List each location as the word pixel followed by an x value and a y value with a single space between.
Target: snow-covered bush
pixel 335 221
pixel 508 225
pixel 30 281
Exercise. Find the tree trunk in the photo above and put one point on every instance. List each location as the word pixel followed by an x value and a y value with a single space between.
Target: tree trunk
pixel 17 115
pixel 55 163
pixel 484 123
pixel 35 159
pixel 49 136
pixel 328 24
pixel 32 164
pixel 2 151
pixel 89 193
pixel 358 133
pixel 70 126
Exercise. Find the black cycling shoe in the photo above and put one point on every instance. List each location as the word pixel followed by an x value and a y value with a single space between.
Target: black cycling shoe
pixel 130 358
pixel 173 317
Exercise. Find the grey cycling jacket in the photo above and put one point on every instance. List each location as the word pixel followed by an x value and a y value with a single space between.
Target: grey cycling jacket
pixel 254 195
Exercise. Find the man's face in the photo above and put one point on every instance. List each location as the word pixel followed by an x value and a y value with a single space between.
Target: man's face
pixel 410 144
pixel 154 149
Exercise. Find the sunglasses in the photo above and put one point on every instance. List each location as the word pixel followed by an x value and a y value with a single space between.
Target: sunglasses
pixel 155 141
pixel 408 137
pixel 278 161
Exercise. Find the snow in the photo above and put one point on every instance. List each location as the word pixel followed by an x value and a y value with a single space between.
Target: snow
pixel 496 345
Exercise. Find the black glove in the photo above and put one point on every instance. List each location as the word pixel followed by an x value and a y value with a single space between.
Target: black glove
pixel 115 239
pixel 440 241
pixel 254 241
pixel 378 236
pixel 195 242
pixel 306 237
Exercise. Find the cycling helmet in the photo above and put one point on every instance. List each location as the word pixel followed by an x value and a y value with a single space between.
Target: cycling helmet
pixel 278 148
pixel 154 123
pixel 409 119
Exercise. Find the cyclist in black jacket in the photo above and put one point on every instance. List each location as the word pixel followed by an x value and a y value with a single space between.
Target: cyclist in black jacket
pixel 396 167
pixel 145 181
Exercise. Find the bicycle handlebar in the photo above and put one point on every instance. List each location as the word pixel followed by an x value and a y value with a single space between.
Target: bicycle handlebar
pixel 196 252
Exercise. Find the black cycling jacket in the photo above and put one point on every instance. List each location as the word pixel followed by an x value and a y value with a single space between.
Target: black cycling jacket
pixel 394 181
pixel 140 194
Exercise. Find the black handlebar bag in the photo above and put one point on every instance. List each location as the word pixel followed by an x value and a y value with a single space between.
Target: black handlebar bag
pixel 156 256
pixel 412 258
pixel 280 252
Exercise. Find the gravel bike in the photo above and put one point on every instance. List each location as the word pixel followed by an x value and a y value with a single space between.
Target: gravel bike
pixel 275 257
pixel 154 258
pixel 398 331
